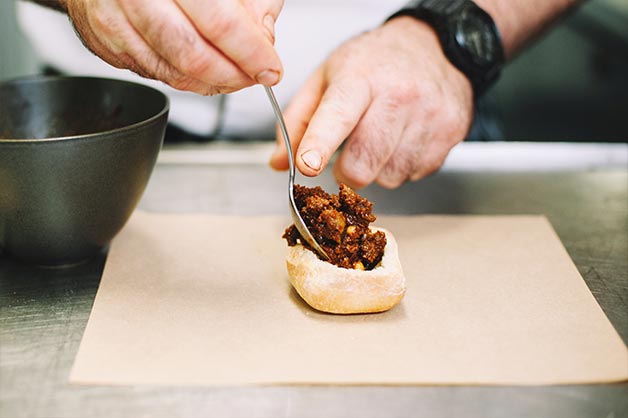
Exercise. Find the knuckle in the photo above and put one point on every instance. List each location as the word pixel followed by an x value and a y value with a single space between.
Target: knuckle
pixel 389 183
pixel 431 100
pixel 212 90
pixel 430 90
pixel 166 73
pixel 453 125
pixel 124 60
pixel 394 173
pixel 366 153
pixel 356 178
pixel 181 82
pixel 366 159
pixel 382 120
pixel 434 107
pixel 461 120
pixel 339 114
pixel 336 109
pixel 429 166
pixel 137 69
pixel 361 149
pixel 401 97
pixel 341 90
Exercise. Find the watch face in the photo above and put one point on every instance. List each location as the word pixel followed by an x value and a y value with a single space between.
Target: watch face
pixel 472 35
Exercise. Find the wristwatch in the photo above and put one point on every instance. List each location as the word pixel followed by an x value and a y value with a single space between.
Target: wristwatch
pixel 468 35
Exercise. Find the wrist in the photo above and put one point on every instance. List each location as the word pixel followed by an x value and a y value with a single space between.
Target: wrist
pixel 520 21
pixel 418 32
pixel 467 35
pixel 505 21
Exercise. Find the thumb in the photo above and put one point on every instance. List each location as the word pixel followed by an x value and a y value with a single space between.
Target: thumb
pixel 266 13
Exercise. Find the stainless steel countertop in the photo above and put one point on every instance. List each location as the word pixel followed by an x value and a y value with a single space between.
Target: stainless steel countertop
pixel 43 312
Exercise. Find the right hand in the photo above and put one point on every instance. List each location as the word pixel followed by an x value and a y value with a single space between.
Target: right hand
pixel 205 46
pixel 395 98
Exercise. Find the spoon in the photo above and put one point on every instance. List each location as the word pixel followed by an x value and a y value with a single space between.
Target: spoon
pixel 294 211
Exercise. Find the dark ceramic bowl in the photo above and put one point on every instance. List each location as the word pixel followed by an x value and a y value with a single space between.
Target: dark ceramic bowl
pixel 75 156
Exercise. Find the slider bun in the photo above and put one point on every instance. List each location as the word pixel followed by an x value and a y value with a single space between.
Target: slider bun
pixel 329 288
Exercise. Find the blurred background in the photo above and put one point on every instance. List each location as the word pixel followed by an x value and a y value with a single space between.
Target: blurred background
pixel 572 85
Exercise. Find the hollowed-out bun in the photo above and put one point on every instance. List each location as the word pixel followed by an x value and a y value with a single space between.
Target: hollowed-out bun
pixel 333 289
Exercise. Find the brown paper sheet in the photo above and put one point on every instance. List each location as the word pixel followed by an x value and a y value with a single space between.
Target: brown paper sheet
pixel 205 300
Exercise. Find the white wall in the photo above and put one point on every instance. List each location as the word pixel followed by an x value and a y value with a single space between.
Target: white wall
pixel 16 56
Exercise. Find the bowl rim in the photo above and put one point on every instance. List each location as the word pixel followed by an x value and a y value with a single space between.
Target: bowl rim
pixel 122 129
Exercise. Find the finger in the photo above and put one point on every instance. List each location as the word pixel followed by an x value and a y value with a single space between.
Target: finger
pixel 341 107
pixel 431 159
pixel 230 28
pixel 114 39
pixel 371 144
pixel 404 160
pixel 265 12
pixel 424 146
pixel 297 117
pixel 99 45
pixel 418 155
pixel 170 34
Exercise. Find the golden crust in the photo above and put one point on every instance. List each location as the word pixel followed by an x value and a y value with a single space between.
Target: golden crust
pixel 333 289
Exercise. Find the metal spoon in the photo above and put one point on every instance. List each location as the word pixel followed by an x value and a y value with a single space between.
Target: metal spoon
pixel 294 211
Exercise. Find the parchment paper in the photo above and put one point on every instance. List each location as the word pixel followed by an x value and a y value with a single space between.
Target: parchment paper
pixel 205 300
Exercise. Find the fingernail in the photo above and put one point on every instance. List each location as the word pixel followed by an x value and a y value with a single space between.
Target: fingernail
pixel 267 77
pixel 269 24
pixel 312 159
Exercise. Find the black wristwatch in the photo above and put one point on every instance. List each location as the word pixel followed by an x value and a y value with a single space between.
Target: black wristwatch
pixel 468 36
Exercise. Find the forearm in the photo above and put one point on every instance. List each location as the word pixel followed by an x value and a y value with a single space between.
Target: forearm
pixel 520 21
pixel 59 5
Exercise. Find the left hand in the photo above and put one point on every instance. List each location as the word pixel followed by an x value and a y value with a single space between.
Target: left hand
pixel 204 46
pixel 395 98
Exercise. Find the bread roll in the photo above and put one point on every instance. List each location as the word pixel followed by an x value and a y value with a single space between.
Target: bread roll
pixel 333 289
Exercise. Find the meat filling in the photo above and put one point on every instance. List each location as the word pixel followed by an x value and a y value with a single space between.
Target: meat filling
pixel 340 224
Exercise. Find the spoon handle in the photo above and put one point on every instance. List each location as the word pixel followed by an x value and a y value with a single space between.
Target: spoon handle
pixel 284 132
pixel 296 216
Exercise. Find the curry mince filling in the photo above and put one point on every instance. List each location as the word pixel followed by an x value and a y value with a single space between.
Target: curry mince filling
pixel 340 224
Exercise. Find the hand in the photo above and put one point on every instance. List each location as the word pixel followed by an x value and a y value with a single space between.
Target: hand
pixel 395 98
pixel 204 46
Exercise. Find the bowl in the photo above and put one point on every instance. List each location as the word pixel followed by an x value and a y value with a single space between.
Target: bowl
pixel 76 154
